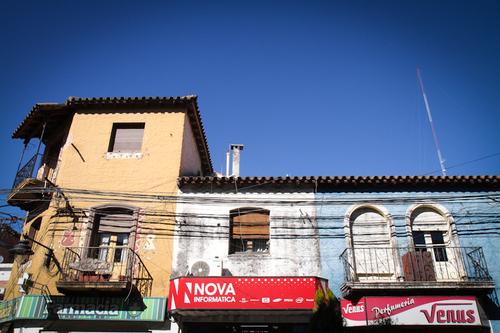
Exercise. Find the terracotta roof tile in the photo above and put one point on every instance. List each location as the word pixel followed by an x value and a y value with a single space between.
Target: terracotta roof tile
pixel 355 183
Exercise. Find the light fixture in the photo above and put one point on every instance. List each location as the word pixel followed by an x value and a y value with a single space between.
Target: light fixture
pixel 23 249
pixel 21 252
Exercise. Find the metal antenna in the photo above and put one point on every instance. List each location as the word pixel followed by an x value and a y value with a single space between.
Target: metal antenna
pixel 441 161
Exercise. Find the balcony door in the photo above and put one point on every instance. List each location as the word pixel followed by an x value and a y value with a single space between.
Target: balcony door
pixel 435 245
pixel 113 233
pixel 113 247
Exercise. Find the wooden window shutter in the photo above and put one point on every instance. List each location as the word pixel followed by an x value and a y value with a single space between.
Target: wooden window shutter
pixel 250 225
pixel 119 223
pixel 127 137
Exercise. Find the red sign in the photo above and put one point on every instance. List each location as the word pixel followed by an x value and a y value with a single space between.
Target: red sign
pixel 413 310
pixel 244 292
pixel 354 313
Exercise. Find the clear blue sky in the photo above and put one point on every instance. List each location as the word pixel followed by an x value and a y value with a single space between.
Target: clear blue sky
pixel 310 88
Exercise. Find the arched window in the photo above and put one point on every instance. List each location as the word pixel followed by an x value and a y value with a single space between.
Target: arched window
pixel 369 228
pixel 435 247
pixel 372 244
pixel 112 231
pixel 430 228
pixel 249 230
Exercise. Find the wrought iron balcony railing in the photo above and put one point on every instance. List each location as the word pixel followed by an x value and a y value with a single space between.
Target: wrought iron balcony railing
pixel 26 171
pixel 408 264
pixel 38 167
pixel 105 266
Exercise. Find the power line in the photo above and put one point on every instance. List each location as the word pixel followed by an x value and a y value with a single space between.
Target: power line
pixel 457 165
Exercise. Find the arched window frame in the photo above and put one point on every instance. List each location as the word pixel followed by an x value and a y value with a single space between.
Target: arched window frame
pixel 438 208
pixel 381 210
pixel 100 210
pixel 443 262
pixel 393 242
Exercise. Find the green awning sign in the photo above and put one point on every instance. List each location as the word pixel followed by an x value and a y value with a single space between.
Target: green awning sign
pixel 84 308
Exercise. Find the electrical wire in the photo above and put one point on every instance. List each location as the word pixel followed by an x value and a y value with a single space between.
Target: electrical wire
pixel 457 165
pixel 161 220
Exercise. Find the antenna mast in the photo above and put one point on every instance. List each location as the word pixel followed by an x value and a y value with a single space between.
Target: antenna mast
pixel 441 161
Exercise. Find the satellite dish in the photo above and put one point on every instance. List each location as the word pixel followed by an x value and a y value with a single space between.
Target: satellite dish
pixel 200 268
pixel 1 258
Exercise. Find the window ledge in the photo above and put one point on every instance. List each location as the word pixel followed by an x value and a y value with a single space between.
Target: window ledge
pixel 123 155
pixel 249 254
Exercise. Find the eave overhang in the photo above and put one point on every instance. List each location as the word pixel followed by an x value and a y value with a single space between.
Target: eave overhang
pixel 352 183
pixel 53 114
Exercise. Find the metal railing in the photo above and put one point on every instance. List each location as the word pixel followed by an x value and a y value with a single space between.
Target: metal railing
pixel 37 167
pixel 26 171
pixel 413 264
pixel 106 264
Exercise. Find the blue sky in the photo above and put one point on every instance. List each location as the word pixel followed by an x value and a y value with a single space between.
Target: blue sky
pixel 310 88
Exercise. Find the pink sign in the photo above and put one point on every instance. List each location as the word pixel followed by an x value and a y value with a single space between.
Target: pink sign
pixel 414 310
pixel 354 313
pixel 244 292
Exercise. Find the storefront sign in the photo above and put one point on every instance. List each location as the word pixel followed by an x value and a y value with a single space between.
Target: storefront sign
pixel 108 308
pixel 84 308
pixel 413 311
pixel 354 313
pixel 244 293
pixel 8 309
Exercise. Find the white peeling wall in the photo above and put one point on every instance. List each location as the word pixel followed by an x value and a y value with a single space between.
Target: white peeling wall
pixel 202 231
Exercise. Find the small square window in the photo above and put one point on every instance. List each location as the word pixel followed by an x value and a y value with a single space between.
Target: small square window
pixel 249 230
pixel 126 138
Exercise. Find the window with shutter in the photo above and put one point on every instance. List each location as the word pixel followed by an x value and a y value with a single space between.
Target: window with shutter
pixel 112 228
pixel 126 138
pixel 249 231
pixel 370 234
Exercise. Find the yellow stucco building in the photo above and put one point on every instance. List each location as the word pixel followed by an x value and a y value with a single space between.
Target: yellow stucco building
pixel 101 211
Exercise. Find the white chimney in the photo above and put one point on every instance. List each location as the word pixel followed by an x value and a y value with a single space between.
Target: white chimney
pixel 236 159
pixel 228 155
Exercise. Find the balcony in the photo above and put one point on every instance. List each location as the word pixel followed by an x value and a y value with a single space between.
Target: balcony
pixel 103 270
pixel 29 189
pixel 392 271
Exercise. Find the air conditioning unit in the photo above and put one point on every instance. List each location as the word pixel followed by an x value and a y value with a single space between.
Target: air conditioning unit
pixel 206 267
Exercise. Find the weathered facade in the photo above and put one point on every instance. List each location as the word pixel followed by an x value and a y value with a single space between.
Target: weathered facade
pixel 429 241
pixel 101 205
pixel 123 211
pixel 418 252
pixel 256 229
